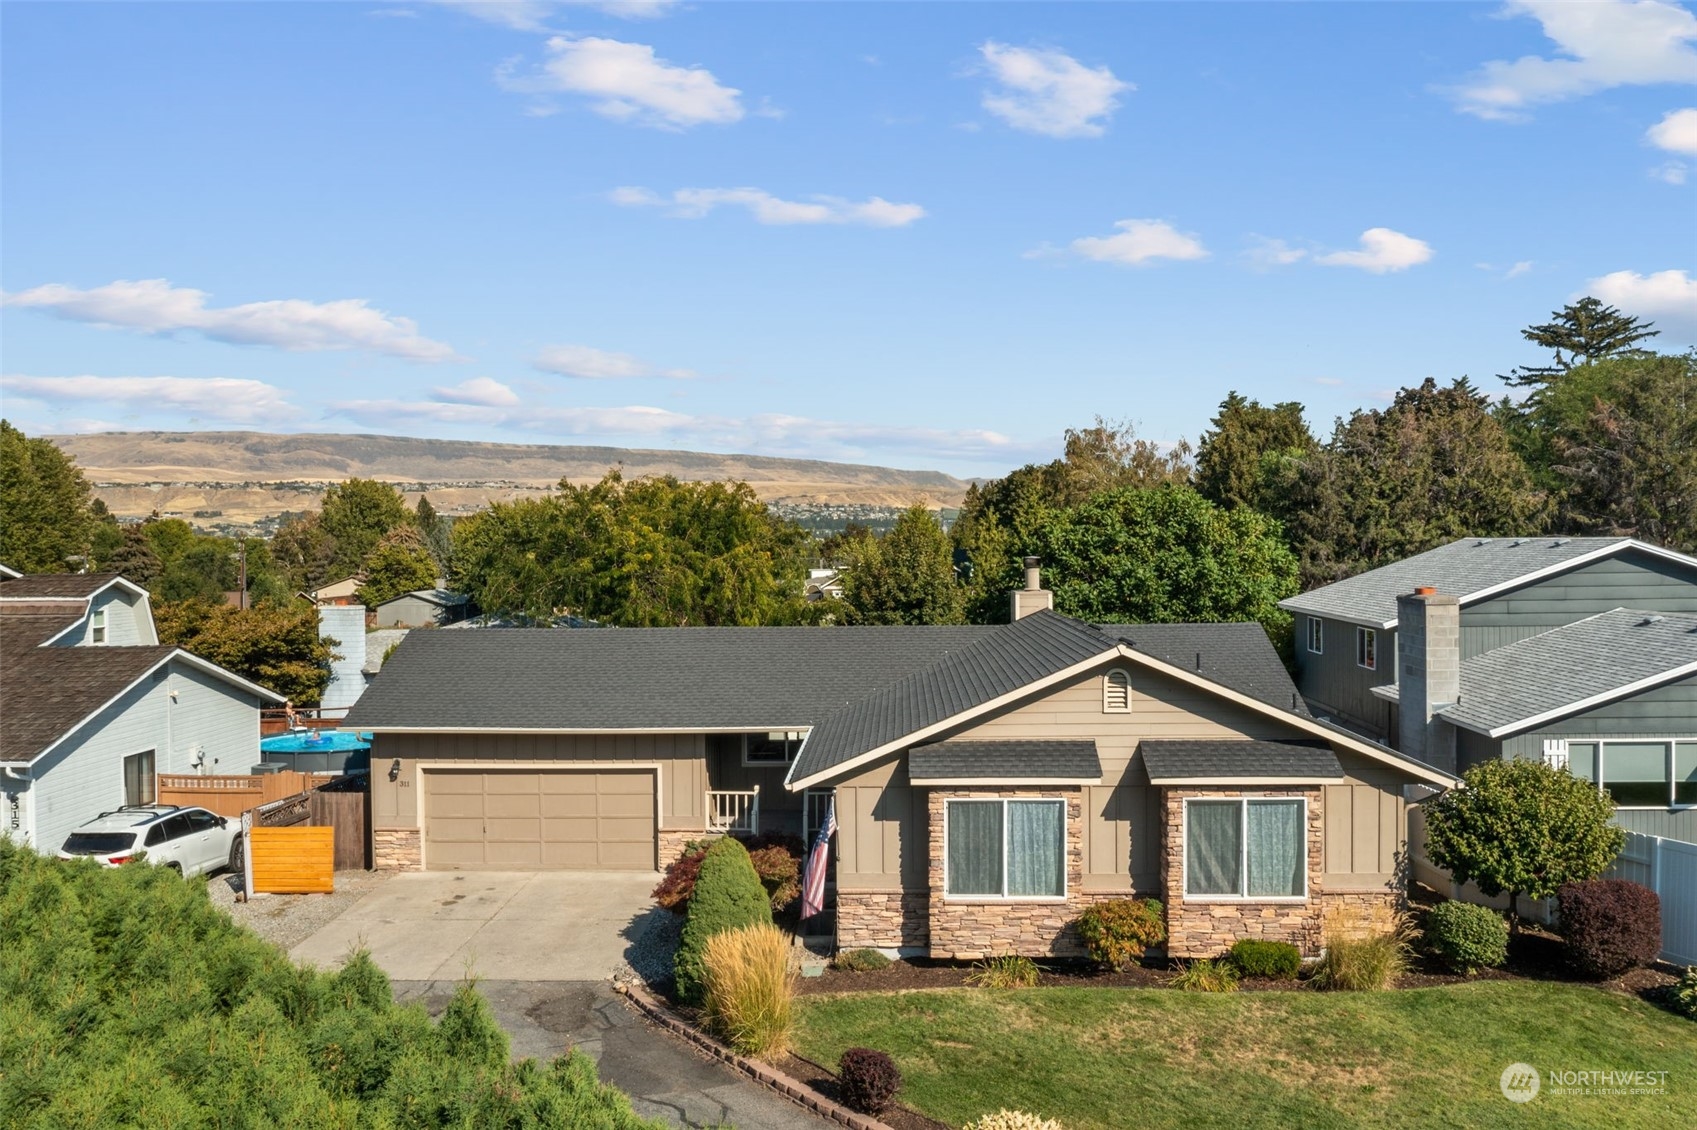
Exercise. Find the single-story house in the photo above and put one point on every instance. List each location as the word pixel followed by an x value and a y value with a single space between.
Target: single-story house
pixel 1347 637
pixel 989 782
pixel 344 590
pixel 95 708
pixel 424 608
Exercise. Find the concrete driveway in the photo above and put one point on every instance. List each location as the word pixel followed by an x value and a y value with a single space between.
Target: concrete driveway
pixel 505 926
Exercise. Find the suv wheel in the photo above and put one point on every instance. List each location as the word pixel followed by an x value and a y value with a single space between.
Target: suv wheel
pixel 174 866
pixel 236 855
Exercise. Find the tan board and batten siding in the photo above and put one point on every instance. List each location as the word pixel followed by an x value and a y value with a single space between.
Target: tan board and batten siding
pixel 883 841
pixel 538 801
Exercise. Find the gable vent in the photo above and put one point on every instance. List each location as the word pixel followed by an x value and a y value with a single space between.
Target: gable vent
pixel 1116 693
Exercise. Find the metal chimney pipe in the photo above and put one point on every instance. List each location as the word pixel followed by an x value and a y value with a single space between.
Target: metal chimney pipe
pixel 1033 581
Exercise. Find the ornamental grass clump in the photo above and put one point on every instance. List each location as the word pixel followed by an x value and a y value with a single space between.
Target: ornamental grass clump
pixel 1116 932
pixel 1012 1120
pixel 1207 976
pixel 728 895
pixel 749 989
pixel 1465 937
pixel 1009 971
pixel 867 1080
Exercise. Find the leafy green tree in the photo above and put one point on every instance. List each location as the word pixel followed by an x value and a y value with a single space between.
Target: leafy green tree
pixel 305 552
pixel 205 569
pixel 45 516
pixel 1253 454
pixel 436 531
pixel 169 538
pixel 357 513
pixel 1166 555
pixel 840 547
pixel 1578 333
pixel 646 553
pixel 399 564
pixel 1434 466
pixel 274 645
pixel 905 577
pixel 105 534
pixel 1522 828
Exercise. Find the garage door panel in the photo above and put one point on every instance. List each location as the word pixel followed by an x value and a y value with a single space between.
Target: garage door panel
pixel 556 819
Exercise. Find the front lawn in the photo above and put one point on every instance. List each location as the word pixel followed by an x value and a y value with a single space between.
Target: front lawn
pixel 1150 1058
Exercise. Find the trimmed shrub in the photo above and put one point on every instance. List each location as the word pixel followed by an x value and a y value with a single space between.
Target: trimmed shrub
pixel 776 858
pixel 860 961
pixel 728 896
pixel 1012 1120
pixel 1258 957
pixel 1684 994
pixel 1207 977
pixel 749 988
pixel 1611 925
pixel 1009 971
pixel 867 1080
pixel 1115 933
pixel 1467 938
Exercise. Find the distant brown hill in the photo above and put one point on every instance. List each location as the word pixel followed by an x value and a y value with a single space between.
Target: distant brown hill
pixel 248 476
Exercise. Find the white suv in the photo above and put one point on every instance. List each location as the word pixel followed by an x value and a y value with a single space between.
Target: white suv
pixel 192 841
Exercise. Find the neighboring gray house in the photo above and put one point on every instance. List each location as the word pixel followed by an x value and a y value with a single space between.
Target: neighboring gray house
pixel 1507 589
pixel 1613 698
pixel 94 708
pixel 425 608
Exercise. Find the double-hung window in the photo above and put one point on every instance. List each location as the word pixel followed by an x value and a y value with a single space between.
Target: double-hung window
pixel 138 778
pixel 97 627
pixel 1013 849
pixel 1248 848
pixel 1367 648
pixel 1316 635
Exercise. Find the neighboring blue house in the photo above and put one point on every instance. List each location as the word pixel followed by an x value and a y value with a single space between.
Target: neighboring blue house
pixel 94 708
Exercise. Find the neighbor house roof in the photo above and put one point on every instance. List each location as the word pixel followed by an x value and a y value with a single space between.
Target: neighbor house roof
pixel 442 598
pixel 1569 669
pixel 1005 762
pixel 62 586
pixel 646 679
pixel 1470 568
pixel 1240 762
pixel 7 573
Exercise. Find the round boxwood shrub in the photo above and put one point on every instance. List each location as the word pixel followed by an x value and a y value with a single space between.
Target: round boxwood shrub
pixel 1117 931
pixel 1467 938
pixel 867 1080
pixel 728 895
pixel 1259 957
pixel 1611 925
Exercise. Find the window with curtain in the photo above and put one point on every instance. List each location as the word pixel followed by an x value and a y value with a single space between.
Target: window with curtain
pixel 1248 848
pixel 1006 848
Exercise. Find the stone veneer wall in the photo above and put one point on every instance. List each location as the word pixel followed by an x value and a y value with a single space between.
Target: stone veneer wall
pixel 890 920
pixel 672 843
pixel 397 849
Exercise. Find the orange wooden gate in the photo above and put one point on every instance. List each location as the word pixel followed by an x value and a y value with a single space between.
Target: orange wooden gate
pixel 292 861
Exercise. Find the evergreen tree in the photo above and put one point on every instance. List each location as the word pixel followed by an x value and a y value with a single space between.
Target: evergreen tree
pixel 1578 333
pixel 46 524
pixel 133 558
pixel 435 530
pixel 1252 453
pixel 905 577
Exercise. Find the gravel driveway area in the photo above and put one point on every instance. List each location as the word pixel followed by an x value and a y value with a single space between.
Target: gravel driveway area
pixel 289 919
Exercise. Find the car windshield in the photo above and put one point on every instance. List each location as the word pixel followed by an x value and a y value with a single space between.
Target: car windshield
pixel 99 843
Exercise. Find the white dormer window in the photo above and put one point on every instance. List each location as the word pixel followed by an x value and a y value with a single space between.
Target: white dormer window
pixel 1116 693
pixel 97 627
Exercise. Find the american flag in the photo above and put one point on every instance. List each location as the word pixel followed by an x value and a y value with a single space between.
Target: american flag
pixel 813 877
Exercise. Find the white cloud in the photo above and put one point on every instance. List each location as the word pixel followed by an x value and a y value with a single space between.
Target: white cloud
pixel 1140 241
pixel 479 390
pixel 1520 268
pixel 1382 250
pixel 1600 44
pixel 1673 172
pixel 155 306
pixel 694 203
pixel 1676 132
pixel 627 82
pixel 1268 253
pixel 600 364
pixel 218 398
pixel 1666 296
pixel 1049 92
pixel 532 15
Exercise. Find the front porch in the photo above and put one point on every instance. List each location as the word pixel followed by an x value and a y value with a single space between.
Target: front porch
pixel 745 788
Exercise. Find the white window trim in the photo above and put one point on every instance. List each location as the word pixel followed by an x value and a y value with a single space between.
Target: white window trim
pixel 792 746
pixel 1243 850
pixel 1122 677
pixel 1316 636
pixel 1362 635
pixel 98 631
pixel 1066 880
pixel 1671 742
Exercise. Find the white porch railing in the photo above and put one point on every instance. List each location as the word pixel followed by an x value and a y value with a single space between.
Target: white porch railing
pixel 734 811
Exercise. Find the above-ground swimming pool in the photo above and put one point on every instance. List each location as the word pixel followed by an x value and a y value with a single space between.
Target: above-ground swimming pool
pixel 318 751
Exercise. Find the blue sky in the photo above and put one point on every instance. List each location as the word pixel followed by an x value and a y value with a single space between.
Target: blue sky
pixel 927 235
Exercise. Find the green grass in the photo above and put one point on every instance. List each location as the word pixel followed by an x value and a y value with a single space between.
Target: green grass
pixel 1150 1058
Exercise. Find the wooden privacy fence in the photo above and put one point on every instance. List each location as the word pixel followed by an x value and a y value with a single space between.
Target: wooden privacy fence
pixel 344 812
pixel 234 795
pixel 291 861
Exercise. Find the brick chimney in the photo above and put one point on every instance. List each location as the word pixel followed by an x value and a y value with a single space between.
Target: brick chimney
pixel 1033 597
pixel 1428 637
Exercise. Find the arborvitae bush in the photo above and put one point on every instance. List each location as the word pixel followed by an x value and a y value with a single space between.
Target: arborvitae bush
pixel 728 895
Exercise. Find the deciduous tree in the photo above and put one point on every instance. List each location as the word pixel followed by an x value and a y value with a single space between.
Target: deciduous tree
pixel 400 563
pixel 357 513
pixel 905 577
pixel 45 520
pixel 273 644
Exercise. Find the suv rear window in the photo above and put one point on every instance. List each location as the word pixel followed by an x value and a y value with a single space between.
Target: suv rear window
pixel 99 843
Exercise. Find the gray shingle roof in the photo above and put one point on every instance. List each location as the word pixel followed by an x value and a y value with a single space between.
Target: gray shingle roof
pixel 1548 673
pixel 1239 656
pixel 1227 761
pixel 642 678
pixel 1463 568
pixel 1005 761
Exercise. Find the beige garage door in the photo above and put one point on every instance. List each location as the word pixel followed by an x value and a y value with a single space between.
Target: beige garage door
pixel 564 819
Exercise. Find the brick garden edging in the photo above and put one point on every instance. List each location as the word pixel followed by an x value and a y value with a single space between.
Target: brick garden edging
pixel 791 1088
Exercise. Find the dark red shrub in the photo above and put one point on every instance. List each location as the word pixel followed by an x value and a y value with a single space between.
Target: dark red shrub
pixel 678 884
pixel 776 857
pixel 1611 925
pixel 867 1080
pixel 780 874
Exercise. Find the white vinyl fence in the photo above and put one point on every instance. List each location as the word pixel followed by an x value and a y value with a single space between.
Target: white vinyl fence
pixel 1667 867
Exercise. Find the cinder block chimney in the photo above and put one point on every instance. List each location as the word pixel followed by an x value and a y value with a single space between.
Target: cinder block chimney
pixel 1033 597
pixel 1429 676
